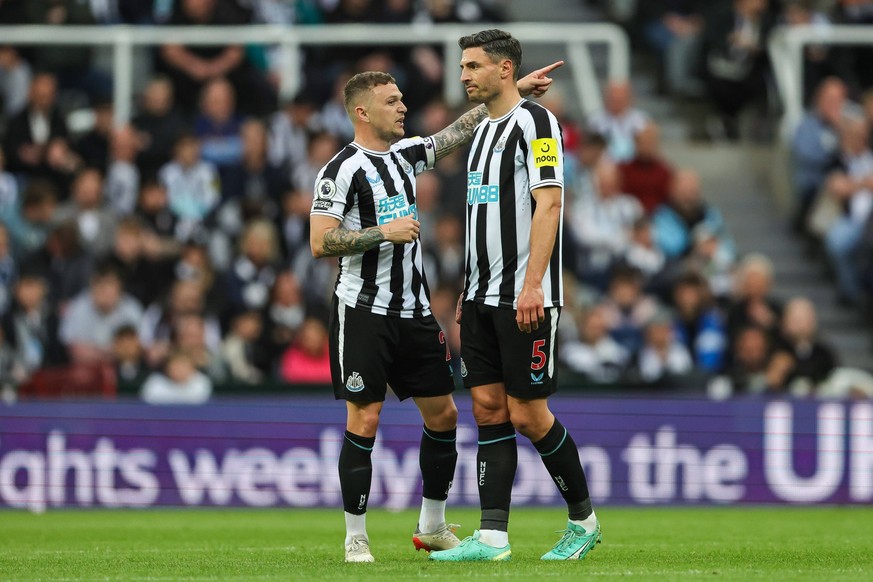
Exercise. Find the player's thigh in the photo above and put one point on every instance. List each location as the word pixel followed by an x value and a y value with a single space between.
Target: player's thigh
pixel 422 364
pixel 489 404
pixel 360 352
pixel 480 355
pixel 528 359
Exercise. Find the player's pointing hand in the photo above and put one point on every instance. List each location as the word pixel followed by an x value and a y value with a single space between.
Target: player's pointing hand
pixel 537 82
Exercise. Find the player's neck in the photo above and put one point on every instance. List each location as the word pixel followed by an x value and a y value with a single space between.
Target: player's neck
pixel 370 141
pixel 503 102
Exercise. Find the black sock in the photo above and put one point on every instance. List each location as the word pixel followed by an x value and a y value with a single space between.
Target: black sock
pixel 356 472
pixel 561 458
pixel 496 463
pixel 437 458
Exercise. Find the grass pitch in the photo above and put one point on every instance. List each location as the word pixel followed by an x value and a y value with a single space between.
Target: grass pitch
pixel 723 543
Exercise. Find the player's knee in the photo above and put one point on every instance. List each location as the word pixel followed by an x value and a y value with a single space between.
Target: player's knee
pixel 489 413
pixel 364 423
pixel 529 424
pixel 445 419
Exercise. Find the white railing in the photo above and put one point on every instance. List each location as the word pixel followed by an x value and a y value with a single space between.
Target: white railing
pixel 576 39
pixel 786 55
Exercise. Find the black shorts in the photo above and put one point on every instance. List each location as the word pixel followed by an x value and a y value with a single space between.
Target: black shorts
pixel 494 350
pixel 369 351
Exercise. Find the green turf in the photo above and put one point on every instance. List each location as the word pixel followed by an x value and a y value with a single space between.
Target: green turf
pixel 722 543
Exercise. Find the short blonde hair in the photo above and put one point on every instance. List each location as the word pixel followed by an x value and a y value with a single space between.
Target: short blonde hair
pixel 361 84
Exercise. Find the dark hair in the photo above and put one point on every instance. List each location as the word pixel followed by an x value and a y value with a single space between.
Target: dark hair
pixel 38 192
pixel 497 44
pixel 361 83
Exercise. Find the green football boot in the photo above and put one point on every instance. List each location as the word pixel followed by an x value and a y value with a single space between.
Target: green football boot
pixel 575 543
pixel 472 550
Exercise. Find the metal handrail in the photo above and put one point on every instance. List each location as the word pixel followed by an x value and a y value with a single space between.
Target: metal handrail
pixel 786 46
pixel 122 38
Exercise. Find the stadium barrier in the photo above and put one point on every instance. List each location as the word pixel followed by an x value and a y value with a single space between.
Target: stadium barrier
pixel 284 453
pixel 576 38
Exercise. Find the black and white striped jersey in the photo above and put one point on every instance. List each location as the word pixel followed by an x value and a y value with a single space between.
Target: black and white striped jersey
pixel 364 188
pixel 509 157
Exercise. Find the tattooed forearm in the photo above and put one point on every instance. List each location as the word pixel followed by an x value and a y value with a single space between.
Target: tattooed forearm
pixel 341 242
pixel 458 133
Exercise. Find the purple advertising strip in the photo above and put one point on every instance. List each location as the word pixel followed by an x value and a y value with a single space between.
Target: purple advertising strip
pixel 284 453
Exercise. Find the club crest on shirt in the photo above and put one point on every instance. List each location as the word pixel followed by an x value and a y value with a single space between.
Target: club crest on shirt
pixel 407 167
pixel 501 145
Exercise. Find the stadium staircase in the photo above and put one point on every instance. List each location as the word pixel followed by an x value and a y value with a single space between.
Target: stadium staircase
pixel 739 179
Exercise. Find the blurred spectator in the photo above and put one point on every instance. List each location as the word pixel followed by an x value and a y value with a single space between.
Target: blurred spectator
pixel 619 122
pixel 96 224
pixel 218 125
pixel 12 370
pixel 595 355
pixel 307 361
pixel 93 147
pixel 627 310
pixel 131 370
pixel 753 304
pixel 284 315
pixel 252 180
pixel 195 265
pixel 752 350
pixel 735 49
pixel 135 255
pixel 89 323
pixel 31 324
pixel 674 222
pixel 643 254
pixel 322 148
pixel 814 146
pixel 29 228
pixel 186 297
pixel 852 187
pixel 293 224
pixel 673 28
pixel 153 209
pixel 193 187
pixel 159 125
pixel 602 225
pixel 662 357
pixel 63 260
pixel 647 176
pixel 801 362
pixel 15 77
pixel 239 351
pixel 71 63
pixel 860 13
pixel 699 325
pixel 8 270
pixel 191 67
pixel 713 257
pixel 253 271
pixel 290 128
pixel 444 257
pixel 333 116
pixel 190 336
pixel 121 186
pixel 179 383
pixel 10 203
pixel 36 138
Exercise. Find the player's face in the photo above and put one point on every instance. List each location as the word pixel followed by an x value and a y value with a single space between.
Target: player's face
pixel 387 112
pixel 480 75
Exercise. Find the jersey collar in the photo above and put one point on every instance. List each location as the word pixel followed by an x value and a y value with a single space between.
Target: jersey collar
pixel 508 113
pixel 368 151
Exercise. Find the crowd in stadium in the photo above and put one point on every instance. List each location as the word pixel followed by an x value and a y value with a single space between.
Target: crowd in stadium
pixel 175 249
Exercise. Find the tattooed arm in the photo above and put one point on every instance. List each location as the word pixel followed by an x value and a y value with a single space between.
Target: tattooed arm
pixel 459 133
pixel 329 238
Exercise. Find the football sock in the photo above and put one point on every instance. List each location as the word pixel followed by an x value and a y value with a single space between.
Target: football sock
pixel 496 463
pixel 355 473
pixel 559 455
pixel 588 524
pixel 493 537
pixel 437 458
pixel 433 513
pixel 356 525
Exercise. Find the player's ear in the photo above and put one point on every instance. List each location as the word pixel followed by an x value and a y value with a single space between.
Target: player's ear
pixel 361 113
pixel 506 68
